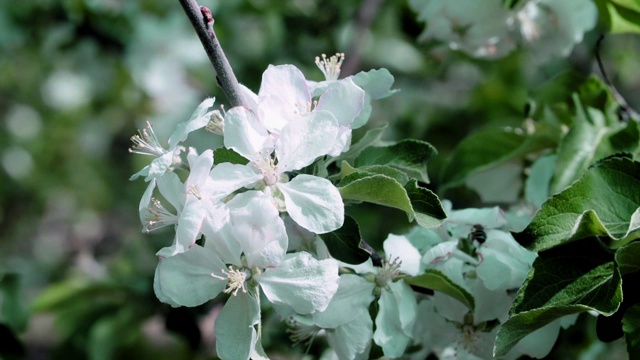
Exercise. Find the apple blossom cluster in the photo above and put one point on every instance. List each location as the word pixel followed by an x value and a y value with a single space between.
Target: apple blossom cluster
pixel 472 251
pixel 490 30
pixel 229 218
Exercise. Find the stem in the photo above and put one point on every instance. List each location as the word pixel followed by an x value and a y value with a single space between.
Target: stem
pixel 624 106
pixel 202 21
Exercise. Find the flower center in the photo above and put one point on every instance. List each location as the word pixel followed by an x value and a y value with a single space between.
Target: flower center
pixel 236 280
pixel 268 169
pixel 147 143
pixel 330 67
pixel 388 272
pixel 158 216
pixel 216 123
pixel 301 333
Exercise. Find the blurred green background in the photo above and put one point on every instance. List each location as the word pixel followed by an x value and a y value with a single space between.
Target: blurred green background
pixel 79 77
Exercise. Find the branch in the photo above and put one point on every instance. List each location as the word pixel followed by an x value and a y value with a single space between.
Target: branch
pixel 624 106
pixel 202 21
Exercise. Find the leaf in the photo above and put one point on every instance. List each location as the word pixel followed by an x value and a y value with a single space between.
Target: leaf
pixel 628 258
pixel 436 280
pixel 569 279
pixel 427 207
pixel 536 188
pixel 410 156
pixel 399 176
pixel 578 148
pixel 624 16
pixel 604 202
pixel 370 138
pixel 344 244
pixel 65 294
pixel 419 203
pixel 222 155
pixel 12 311
pixel 488 148
pixel 631 328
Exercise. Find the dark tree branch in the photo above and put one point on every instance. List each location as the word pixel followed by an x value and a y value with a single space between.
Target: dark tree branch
pixel 624 106
pixel 202 21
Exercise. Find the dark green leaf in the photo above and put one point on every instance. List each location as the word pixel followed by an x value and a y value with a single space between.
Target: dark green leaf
pixel 222 155
pixel 628 258
pixel 410 156
pixel 488 148
pixel 604 202
pixel 12 311
pixel 398 175
pixel 426 205
pixel 436 280
pixel 576 277
pixel 344 243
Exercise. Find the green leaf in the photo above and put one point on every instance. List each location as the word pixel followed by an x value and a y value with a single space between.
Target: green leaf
pixel 624 16
pixel 371 138
pixel 488 148
pixel 65 294
pixel 628 258
pixel 578 148
pixel 426 205
pixel 110 333
pixel 419 203
pixel 536 188
pixel 344 244
pixel 631 329
pixel 398 175
pixel 410 156
pixel 436 280
pixel 522 324
pixel 12 311
pixel 577 277
pixel 222 155
pixel 604 202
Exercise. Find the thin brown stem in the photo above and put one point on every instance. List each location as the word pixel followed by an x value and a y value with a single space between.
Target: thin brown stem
pixel 202 21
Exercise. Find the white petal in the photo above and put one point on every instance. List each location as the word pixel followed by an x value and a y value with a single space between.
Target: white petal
pixel 344 100
pixel 391 332
pixel 301 282
pixel 160 165
pixel 228 178
pixel 235 327
pixel 249 97
pixel 314 203
pixel 172 189
pixel 343 141
pixel 199 167
pixel 258 228
pixel 244 133
pixel 302 141
pixel 353 297
pixel 219 238
pixel 190 222
pixel 185 279
pixel 399 247
pixel 199 119
pixel 352 340
pixel 144 203
pixel 284 93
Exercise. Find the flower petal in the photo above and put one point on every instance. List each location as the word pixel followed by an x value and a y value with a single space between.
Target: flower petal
pixel 394 322
pixel 352 340
pixel 354 294
pixel 235 331
pixel 302 141
pixel 314 203
pixel 284 93
pixel 301 282
pixel 244 133
pixel 258 228
pixel 144 204
pixel 344 100
pixel 172 189
pixel 185 279
pixel 399 247
pixel 199 119
pixel 228 177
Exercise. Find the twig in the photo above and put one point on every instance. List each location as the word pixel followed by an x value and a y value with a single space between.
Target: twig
pixel 202 21
pixel 366 14
pixel 624 106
